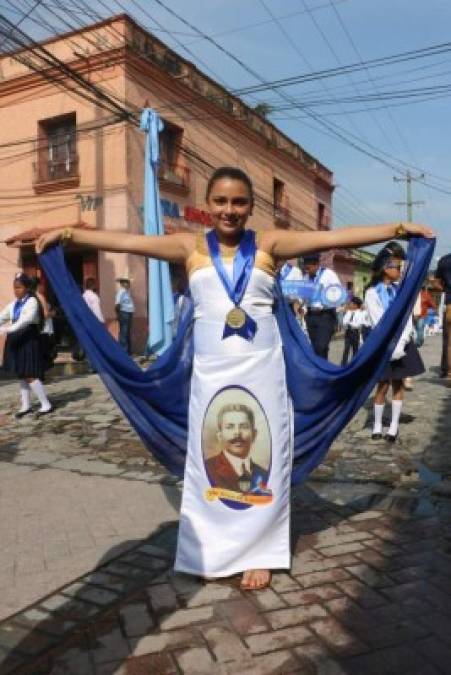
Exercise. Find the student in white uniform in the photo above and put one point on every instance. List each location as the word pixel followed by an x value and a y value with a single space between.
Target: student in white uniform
pixel 321 321
pixel 352 324
pixel 90 296
pixel 125 308
pixel 365 328
pixel 21 321
pixel 48 342
pixel 405 360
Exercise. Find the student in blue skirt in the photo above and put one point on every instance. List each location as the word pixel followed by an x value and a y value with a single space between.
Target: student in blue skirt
pixel 21 321
pixel 405 360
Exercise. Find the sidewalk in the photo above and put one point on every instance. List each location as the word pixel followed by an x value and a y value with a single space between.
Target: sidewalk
pixel 369 591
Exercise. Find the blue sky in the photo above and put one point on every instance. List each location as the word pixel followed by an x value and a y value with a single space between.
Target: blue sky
pixel 311 35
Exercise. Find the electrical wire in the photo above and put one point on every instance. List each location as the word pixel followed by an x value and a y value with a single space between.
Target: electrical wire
pixel 346 139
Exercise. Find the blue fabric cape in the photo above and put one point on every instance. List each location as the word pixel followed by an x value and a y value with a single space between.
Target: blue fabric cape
pixel 325 396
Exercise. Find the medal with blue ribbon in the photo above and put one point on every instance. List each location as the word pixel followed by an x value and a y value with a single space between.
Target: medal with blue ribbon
pixel 238 322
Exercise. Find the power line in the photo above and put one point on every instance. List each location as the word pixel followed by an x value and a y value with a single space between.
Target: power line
pixel 326 40
pixel 335 134
pixel 367 70
pixel 331 128
pixel 267 203
pixel 401 57
pixel 416 79
pixel 281 17
pixel 316 118
pixel 128 115
pixel 409 203
pixel 394 95
pixel 24 18
pixel 294 45
pixel 25 42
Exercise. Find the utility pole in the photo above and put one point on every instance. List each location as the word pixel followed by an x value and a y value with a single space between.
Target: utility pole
pixel 409 202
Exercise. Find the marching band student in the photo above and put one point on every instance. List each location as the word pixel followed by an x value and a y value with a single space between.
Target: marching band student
pixel 406 360
pixel 238 388
pixel 23 355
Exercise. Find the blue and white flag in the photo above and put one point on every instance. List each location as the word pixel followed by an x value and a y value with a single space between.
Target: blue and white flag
pixel 160 298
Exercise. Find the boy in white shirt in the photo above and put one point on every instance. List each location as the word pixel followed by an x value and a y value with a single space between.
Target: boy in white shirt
pixel 92 299
pixel 352 323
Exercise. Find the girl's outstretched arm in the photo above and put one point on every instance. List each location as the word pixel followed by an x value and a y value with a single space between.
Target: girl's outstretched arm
pixel 170 247
pixel 287 245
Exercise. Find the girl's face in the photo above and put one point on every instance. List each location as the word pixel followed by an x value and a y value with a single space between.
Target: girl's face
pixel 230 206
pixel 393 269
pixel 19 290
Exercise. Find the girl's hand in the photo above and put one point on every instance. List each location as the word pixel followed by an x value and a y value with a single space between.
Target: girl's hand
pixel 47 239
pixel 419 230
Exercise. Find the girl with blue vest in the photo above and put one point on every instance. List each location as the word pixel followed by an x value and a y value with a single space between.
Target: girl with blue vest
pixel 405 360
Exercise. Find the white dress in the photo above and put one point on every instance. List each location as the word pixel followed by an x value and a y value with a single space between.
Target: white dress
pixel 227 525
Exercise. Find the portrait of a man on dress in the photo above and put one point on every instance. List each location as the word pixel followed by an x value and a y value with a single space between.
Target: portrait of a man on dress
pixel 236 458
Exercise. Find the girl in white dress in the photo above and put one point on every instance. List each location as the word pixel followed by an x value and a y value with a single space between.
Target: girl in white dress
pixel 235 508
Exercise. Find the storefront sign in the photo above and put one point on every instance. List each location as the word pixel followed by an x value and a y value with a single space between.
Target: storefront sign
pixel 193 215
pixel 89 202
pixel 190 213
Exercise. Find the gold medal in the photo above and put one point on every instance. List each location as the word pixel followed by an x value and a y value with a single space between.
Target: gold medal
pixel 236 318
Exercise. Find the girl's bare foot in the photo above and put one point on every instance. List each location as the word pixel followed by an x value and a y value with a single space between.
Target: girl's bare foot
pixel 255 579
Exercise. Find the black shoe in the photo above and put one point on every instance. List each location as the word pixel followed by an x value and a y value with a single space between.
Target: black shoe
pixel 390 438
pixel 22 413
pixel 376 437
pixel 41 413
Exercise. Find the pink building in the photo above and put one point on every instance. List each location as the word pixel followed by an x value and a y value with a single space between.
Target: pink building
pixel 66 160
pixel 343 262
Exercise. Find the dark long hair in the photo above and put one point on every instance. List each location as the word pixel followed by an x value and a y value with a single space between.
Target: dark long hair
pixel 31 284
pixel 391 250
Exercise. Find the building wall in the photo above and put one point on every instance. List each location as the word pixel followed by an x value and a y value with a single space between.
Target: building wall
pixel 109 194
pixel 342 263
pixel 221 140
pixel 362 271
pixel 102 176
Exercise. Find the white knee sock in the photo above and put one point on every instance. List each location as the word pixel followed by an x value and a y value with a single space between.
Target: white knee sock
pixel 396 407
pixel 378 413
pixel 38 389
pixel 25 396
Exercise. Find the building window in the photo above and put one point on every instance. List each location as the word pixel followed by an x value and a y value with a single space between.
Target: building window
pixel 281 211
pixel 321 221
pixel 173 172
pixel 56 165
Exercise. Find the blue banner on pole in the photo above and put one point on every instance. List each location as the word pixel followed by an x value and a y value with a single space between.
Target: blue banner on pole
pixel 161 303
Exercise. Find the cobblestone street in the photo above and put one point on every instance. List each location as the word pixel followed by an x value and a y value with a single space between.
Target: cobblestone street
pixel 88 532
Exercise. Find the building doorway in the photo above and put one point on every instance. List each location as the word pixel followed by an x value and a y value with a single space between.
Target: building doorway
pixel 81 265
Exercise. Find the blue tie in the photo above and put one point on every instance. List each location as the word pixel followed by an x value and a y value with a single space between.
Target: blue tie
pixel 391 292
